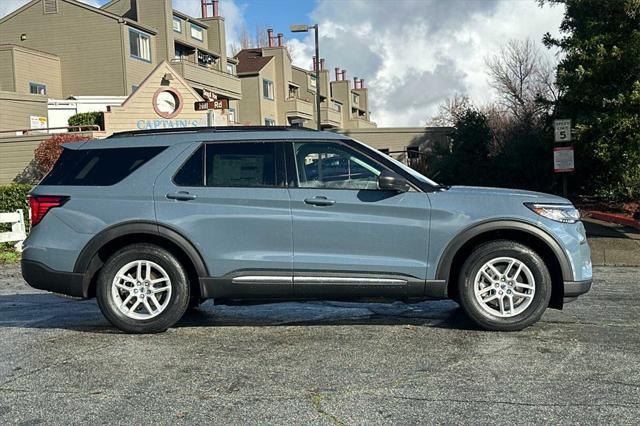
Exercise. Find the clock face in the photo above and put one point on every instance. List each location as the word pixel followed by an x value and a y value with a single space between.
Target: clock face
pixel 167 103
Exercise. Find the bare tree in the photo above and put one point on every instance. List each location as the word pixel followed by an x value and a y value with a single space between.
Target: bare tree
pixel 450 111
pixel 523 77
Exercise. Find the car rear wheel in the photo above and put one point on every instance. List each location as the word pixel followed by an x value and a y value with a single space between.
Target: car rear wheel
pixel 504 286
pixel 143 289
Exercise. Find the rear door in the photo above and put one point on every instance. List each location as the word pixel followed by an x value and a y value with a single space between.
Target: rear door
pixel 351 239
pixel 230 200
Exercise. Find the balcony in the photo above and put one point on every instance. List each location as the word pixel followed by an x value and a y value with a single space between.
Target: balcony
pixel 298 108
pixel 211 79
pixel 330 117
pixel 361 123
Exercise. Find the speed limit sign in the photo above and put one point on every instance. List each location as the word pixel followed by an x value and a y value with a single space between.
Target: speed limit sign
pixel 562 130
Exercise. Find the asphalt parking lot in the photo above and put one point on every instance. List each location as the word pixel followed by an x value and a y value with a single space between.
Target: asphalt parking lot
pixel 322 363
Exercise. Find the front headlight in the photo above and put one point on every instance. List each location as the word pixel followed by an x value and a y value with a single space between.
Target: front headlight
pixel 564 213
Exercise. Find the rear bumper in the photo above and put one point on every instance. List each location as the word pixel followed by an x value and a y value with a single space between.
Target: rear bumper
pixel 576 288
pixel 40 276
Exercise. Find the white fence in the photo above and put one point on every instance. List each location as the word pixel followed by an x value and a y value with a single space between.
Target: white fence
pixel 18 231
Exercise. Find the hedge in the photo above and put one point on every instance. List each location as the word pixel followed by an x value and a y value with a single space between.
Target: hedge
pixel 86 118
pixel 13 197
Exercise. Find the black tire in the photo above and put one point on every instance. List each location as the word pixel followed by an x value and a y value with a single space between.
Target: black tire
pixel 492 250
pixel 178 301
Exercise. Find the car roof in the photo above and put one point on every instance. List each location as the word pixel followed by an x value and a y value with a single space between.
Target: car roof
pixel 169 137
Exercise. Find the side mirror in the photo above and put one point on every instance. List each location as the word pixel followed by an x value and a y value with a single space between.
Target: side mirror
pixel 390 181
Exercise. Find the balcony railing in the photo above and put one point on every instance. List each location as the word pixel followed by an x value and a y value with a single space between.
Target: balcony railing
pixel 330 117
pixel 299 108
pixel 217 81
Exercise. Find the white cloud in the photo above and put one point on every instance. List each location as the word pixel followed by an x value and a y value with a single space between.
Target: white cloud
pixel 414 54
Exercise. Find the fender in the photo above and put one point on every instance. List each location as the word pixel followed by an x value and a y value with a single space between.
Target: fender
pixel 444 264
pixel 87 255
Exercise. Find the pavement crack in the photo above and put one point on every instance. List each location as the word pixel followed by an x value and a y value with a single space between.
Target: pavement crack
pixel 513 403
pixel 316 401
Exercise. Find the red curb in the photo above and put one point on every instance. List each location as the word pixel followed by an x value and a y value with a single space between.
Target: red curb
pixel 615 218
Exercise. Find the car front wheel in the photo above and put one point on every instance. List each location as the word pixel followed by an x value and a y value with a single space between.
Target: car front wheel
pixel 143 289
pixel 504 286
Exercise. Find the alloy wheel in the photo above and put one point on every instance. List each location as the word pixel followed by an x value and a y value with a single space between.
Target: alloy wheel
pixel 141 289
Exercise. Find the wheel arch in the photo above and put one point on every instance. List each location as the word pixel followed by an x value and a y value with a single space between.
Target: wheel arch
pixel 106 242
pixel 539 240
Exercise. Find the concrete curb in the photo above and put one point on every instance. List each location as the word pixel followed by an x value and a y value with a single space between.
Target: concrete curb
pixel 614 251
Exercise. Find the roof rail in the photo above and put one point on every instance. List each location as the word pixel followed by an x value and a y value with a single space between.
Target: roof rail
pixel 207 130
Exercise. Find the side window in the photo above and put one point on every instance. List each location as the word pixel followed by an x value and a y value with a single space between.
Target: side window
pixel 240 164
pixel 333 166
pixel 192 171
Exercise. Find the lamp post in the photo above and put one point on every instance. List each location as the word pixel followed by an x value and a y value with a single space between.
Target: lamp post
pixel 305 29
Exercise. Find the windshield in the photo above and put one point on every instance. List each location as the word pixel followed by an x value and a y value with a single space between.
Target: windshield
pixel 408 169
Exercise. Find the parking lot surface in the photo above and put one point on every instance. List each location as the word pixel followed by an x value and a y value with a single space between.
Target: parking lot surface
pixel 321 363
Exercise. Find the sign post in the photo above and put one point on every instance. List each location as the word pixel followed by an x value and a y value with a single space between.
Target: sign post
pixel 563 159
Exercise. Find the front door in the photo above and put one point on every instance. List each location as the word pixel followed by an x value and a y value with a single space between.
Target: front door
pixel 230 200
pixel 351 239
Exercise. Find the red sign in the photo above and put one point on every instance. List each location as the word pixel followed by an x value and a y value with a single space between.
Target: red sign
pixel 563 159
pixel 215 104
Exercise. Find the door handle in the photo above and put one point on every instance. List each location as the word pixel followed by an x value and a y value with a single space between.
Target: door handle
pixel 319 201
pixel 181 196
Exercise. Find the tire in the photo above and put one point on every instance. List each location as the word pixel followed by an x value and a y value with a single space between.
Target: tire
pixel 162 298
pixel 525 297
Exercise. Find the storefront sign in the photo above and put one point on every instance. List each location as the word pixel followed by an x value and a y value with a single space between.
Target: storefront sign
pixel 168 124
pixel 563 159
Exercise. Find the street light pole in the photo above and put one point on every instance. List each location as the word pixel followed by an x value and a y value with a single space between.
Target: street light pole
pixel 316 64
pixel 317 67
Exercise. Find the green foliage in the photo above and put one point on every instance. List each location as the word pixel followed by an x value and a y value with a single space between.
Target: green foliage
pixel 600 78
pixel 13 197
pixel 87 118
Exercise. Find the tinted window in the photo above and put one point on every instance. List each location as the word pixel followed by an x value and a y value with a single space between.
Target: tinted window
pixel 240 164
pixel 192 172
pixel 86 167
pixel 333 166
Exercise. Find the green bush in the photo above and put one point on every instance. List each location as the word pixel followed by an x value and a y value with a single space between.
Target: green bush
pixel 86 119
pixel 13 197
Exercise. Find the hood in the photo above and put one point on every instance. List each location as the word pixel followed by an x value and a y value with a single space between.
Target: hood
pixel 506 192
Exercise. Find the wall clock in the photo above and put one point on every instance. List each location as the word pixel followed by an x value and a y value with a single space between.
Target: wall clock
pixel 167 103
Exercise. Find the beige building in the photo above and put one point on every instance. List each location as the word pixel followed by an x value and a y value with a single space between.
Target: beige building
pixel 275 92
pixel 72 48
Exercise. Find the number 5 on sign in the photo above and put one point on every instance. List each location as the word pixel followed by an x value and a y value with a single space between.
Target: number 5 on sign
pixel 562 130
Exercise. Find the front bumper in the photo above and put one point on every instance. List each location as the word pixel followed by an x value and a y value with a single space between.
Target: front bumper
pixel 40 276
pixel 573 289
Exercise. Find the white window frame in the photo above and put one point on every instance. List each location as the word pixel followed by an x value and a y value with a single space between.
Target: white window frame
pixel 231 69
pixel 269 122
pixel 142 49
pixel 177 28
pixel 232 115
pixel 269 93
pixel 355 98
pixel 198 34
pixel 37 87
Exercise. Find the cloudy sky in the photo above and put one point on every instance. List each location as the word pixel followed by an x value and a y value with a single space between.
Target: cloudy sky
pixel 413 54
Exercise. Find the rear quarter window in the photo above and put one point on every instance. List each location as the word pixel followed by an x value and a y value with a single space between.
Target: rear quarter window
pixel 98 167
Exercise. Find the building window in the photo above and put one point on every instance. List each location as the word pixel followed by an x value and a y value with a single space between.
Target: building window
pixel 231 69
pixel 269 122
pixel 336 106
pixel 140 45
pixel 267 89
pixel 37 89
pixel 356 98
pixel 177 24
pixel 312 81
pixel 232 115
pixel 197 32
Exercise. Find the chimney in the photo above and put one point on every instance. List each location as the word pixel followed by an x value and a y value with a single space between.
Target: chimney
pixel 313 64
pixel 337 73
pixel 203 8
pixel 322 64
pixel 344 75
pixel 362 83
pixel 280 40
pixel 270 37
pixel 355 82
pixel 215 8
